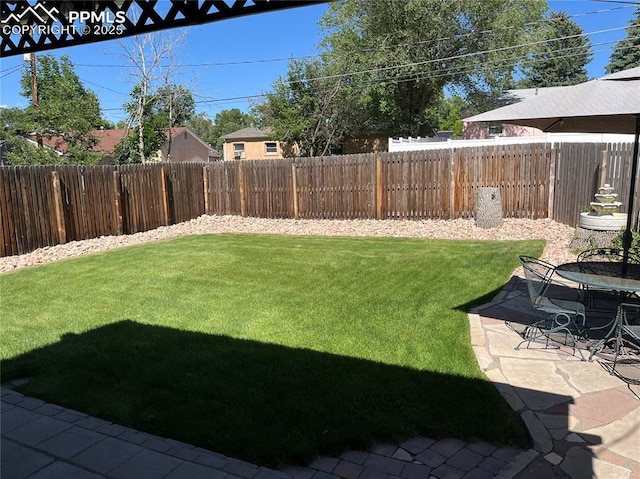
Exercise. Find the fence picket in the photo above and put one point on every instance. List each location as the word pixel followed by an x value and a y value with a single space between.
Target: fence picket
pixel 41 206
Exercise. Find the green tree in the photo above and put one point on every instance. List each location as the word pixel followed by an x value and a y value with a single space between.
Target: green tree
pixel 447 114
pixel 396 56
pixel 226 121
pixel 167 107
pixel 202 126
pixel 561 57
pixel 66 112
pixel 16 149
pixel 626 53
pixel 173 105
pixel 308 111
pixel 141 144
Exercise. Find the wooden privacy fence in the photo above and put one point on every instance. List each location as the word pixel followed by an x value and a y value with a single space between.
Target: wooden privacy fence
pixel 581 168
pixel 48 205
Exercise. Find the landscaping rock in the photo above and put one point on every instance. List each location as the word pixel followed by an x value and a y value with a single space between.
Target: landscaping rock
pixel 557 235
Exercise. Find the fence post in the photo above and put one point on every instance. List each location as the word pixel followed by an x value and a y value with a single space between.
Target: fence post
pixel 205 187
pixel 452 183
pixel 294 188
pixel 552 183
pixel 165 195
pixel 58 208
pixel 117 203
pixel 604 167
pixel 241 180
pixel 379 187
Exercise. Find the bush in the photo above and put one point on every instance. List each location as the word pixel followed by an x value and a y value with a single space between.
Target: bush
pixel 618 242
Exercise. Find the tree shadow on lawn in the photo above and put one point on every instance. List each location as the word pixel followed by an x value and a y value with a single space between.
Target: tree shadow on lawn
pixel 264 403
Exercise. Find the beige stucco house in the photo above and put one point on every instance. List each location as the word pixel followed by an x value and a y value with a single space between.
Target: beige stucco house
pixel 251 144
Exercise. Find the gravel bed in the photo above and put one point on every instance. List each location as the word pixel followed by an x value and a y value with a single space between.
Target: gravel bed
pixel 558 236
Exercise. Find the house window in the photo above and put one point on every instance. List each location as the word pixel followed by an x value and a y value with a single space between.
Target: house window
pixel 495 130
pixel 271 148
pixel 238 151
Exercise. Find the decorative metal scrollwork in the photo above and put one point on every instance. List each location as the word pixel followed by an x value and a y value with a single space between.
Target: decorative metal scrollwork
pixel 37 25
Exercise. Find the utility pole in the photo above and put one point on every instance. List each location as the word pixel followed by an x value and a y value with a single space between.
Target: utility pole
pixel 34 80
pixel 34 88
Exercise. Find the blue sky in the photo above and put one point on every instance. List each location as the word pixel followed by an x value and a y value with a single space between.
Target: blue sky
pixel 242 57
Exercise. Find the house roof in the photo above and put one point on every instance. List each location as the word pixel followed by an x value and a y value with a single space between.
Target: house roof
pixel 108 139
pixel 249 133
pixel 514 96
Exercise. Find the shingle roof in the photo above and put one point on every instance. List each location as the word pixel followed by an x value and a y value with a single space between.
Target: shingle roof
pixel 108 139
pixel 249 133
pixel 514 96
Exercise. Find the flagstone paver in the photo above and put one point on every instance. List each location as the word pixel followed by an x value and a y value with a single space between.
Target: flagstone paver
pixel 539 385
pixel 584 422
pixel 622 436
pixel 587 378
pixel 618 404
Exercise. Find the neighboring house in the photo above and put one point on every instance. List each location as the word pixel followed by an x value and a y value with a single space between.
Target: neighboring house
pixel 251 144
pixel 480 131
pixel 186 146
pixel 107 141
pixel 256 144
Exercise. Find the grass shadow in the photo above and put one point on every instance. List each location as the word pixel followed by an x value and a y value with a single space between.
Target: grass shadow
pixel 265 403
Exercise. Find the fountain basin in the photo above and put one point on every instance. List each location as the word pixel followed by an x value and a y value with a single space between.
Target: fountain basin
pixel 605 208
pixel 610 222
pixel 606 198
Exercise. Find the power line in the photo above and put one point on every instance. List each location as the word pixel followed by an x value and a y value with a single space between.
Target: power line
pixel 425 75
pixel 9 71
pixel 401 45
pixel 408 77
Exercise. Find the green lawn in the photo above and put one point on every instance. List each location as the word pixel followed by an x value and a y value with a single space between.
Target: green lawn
pixel 273 349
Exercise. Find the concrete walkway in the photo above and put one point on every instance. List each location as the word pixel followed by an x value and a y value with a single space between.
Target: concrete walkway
pixel 584 423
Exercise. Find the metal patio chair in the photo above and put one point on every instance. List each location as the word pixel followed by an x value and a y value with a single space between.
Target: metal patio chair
pixel 564 321
pixel 589 294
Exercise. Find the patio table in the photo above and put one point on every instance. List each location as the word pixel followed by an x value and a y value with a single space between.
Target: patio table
pixel 606 275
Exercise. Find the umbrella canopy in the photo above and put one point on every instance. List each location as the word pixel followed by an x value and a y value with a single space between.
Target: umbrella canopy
pixel 607 105
pixel 610 104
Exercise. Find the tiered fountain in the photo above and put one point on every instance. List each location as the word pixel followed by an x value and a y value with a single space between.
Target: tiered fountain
pixel 604 215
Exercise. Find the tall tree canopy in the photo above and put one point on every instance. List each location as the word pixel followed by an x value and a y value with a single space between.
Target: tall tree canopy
pixel 16 150
pixel 173 104
pixel 398 55
pixel 309 110
pixel 167 107
pixel 626 53
pixel 560 58
pixel 384 65
pixel 66 111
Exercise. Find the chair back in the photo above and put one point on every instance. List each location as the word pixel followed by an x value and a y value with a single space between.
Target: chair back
pixel 537 274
